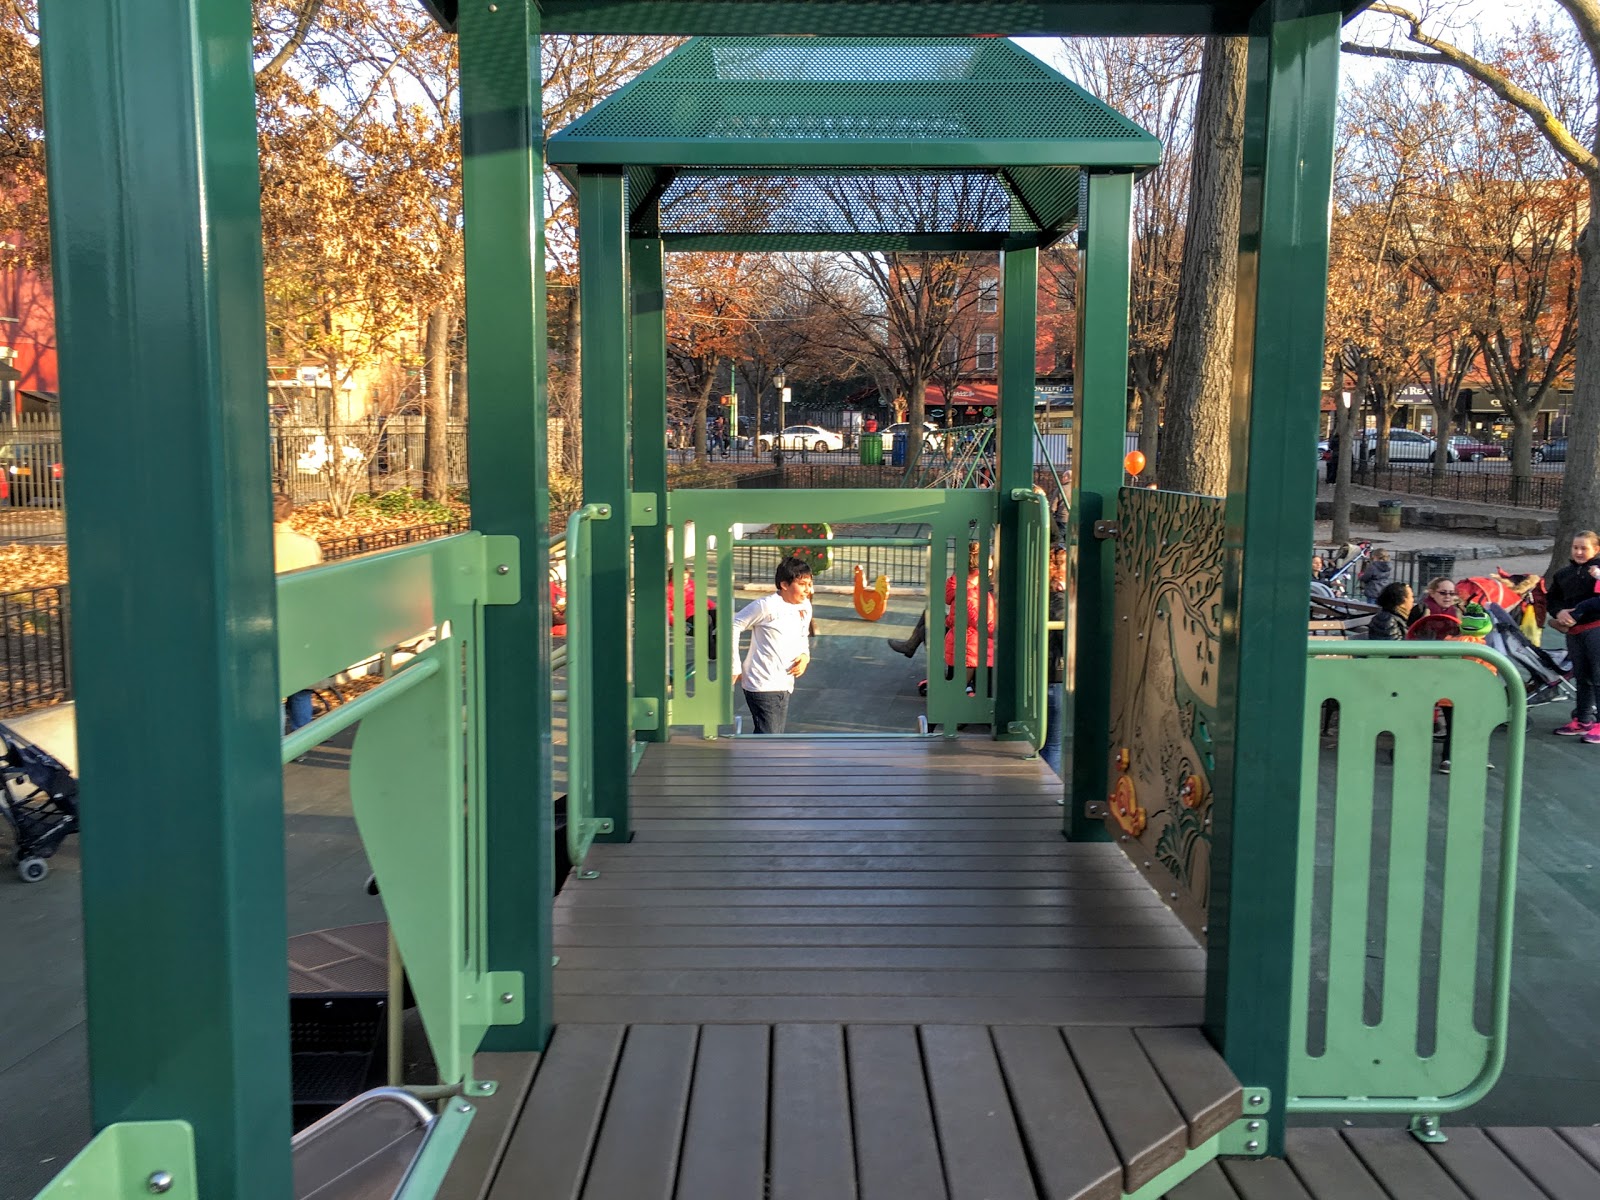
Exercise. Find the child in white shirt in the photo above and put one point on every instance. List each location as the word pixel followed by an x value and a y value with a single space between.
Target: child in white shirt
pixel 780 645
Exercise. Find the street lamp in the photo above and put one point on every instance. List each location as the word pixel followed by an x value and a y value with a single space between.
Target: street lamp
pixel 778 380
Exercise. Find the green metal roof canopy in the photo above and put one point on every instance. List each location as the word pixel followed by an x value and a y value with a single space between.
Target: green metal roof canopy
pixel 780 143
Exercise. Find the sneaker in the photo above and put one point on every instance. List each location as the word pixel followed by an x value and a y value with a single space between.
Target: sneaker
pixel 1574 728
pixel 1444 766
pixel 1592 736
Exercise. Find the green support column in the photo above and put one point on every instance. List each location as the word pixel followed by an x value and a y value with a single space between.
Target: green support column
pixel 1283 264
pixel 508 469
pixel 1019 320
pixel 649 484
pixel 156 220
pixel 603 283
pixel 1100 419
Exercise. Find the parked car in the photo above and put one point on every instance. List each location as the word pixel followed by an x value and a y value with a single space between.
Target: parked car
pixel 804 437
pixel 32 472
pixel 1555 450
pixel 1473 449
pixel 1406 445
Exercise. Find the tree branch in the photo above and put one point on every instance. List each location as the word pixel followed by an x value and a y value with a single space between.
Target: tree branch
pixel 308 15
pixel 1556 133
pixel 1410 56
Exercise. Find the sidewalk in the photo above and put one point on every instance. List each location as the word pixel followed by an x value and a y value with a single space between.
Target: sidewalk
pixel 1518 539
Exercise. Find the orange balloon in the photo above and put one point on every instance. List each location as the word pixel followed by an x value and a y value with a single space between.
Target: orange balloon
pixel 1133 464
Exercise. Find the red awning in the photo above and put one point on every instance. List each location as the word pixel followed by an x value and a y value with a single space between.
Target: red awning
pixel 975 395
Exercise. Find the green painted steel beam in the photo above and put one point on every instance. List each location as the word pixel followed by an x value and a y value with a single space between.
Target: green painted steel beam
pixel 131 1160
pixel 1019 324
pixel 901 18
pixel 604 297
pixel 507 466
pixel 156 222
pixel 1097 442
pixel 649 401
pixel 1283 265
pixel 818 243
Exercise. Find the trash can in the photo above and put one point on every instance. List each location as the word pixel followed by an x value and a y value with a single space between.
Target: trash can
pixel 897 450
pixel 1388 516
pixel 871 449
pixel 1434 566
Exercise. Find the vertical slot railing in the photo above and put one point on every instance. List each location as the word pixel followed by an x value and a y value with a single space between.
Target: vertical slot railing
pixel 1033 611
pixel 1429 873
pixel 582 824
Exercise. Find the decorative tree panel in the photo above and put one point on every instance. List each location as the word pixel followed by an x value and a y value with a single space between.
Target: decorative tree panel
pixel 1164 713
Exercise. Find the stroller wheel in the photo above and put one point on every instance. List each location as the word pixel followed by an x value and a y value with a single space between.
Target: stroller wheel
pixel 32 870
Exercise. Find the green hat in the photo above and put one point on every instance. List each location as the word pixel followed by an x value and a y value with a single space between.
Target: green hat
pixel 1475 622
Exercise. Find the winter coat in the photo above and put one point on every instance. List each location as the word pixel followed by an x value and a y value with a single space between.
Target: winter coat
pixel 974 584
pixel 1375 576
pixel 1386 626
pixel 1056 656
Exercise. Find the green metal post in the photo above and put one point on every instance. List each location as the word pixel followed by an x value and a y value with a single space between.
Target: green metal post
pixel 1283 265
pixel 1100 419
pixel 507 462
pixel 156 220
pixel 649 482
pixel 603 284
pixel 1019 319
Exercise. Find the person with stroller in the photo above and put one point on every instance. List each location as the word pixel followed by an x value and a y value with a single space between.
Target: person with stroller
pixel 1388 624
pixel 1576 613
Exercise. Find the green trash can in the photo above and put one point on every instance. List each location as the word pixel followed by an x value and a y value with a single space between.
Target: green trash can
pixel 1433 565
pixel 872 449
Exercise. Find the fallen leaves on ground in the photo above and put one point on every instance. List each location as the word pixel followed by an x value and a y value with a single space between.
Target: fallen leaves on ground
pixel 25 567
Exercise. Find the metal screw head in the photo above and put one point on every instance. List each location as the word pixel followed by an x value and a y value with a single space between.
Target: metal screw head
pixel 506 997
pixel 502 569
pixel 1256 1101
pixel 159 1181
pixel 1252 1145
pixel 494 8
pixel 1172 895
pixel 463 1108
pixel 1253 1126
pixel 485 1086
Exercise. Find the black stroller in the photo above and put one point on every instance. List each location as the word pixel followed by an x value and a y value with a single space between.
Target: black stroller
pixel 1548 678
pixel 40 800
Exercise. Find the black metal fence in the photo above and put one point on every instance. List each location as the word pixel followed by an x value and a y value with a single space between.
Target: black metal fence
pixel 1488 482
pixel 35 648
pixel 388 539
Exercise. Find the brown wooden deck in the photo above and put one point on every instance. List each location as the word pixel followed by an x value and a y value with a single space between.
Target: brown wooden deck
pixel 906 881
pixel 874 970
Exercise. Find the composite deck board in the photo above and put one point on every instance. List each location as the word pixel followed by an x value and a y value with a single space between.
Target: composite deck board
pixel 866 958
pixel 1548 1161
pixel 1265 1179
pixel 636 1155
pixel 983 1148
pixel 897 1150
pixel 1329 1168
pixel 1007 1010
pixel 1072 1155
pixel 600 935
pixel 1145 1126
pixel 870 881
pixel 725 1137
pixel 812 1147
pixel 1481 1168
pixel 1403 1166
pixel 1198 1081
pixel 1040 985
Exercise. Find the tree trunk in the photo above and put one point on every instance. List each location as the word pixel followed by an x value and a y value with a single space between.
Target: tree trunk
pixel 436 406
pixel 701 403
pixel 1200 370
pixel 1444 416
pixel 916 416
pixel 1580 484
pixel 1345 415
pixel 1149 430
pixel 1521 415
pixel 458 394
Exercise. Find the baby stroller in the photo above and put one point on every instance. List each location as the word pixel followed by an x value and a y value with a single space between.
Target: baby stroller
pixel 40 800
pixel 1548 678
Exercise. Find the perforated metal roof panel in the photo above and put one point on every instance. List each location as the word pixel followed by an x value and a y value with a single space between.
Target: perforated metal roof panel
pixel 947 103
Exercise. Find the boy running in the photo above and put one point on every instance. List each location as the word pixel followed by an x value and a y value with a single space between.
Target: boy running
pixel 780 645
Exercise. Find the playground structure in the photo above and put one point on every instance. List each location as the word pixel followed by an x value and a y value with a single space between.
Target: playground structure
pixel 1179 1014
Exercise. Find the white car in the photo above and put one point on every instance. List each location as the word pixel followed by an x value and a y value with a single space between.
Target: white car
pixel 932 438
pixel 1407 445
pixel 804 437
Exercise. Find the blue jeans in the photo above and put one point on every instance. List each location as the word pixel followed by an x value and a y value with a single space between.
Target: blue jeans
pixel 768 710
pixel 299 710
pixel 1051 751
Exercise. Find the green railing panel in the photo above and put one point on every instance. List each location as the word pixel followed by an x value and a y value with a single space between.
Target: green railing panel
pixel 131 1160
pixel 700 533
pixel 1401 884
pixel 1033 674
pixel 416 768
pixel 582 824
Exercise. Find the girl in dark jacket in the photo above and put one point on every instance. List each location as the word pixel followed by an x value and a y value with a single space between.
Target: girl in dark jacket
pixel 1575 611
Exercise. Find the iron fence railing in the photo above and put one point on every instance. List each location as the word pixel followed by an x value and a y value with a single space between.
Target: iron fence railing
pixel 35 648
pixel 388 539
pixel 1491 481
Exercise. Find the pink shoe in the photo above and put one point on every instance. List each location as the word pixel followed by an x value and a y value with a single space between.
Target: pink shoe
pixel 1573 728
pixel 1593 735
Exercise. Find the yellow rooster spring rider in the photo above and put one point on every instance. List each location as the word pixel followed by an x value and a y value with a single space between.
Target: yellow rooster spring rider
pixel 871 604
